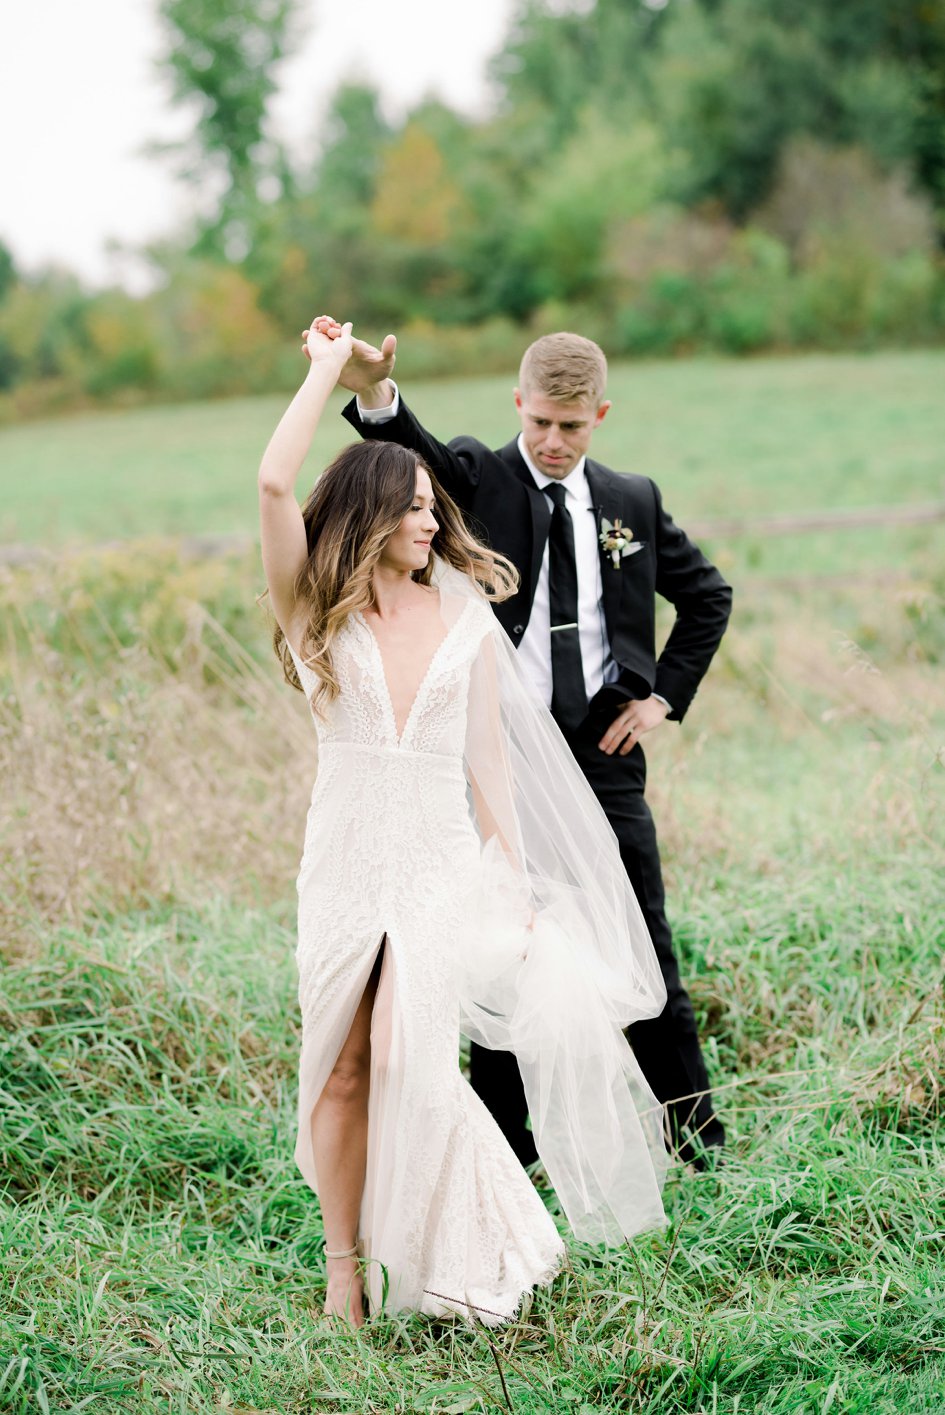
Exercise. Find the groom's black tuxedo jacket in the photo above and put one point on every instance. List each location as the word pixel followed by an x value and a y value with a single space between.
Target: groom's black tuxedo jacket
pixel 505 508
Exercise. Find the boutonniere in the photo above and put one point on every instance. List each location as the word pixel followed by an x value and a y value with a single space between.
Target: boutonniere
pixel 617 540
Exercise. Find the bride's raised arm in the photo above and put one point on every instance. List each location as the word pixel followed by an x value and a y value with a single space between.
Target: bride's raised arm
pixel 282 530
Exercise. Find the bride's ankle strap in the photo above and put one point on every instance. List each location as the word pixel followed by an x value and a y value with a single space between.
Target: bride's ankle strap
pixel 347 1253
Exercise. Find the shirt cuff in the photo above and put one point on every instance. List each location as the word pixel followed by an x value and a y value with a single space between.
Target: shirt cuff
pixel 660 699
pixel 381 415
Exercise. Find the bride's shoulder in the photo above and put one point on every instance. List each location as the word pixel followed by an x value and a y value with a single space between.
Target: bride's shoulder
pixel 480 622
pixel 467 598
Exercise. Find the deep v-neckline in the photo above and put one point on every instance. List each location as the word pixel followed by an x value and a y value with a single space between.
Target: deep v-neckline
pixel 427 673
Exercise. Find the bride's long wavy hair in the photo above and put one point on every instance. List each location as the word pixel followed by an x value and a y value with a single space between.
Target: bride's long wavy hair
pixel 355 506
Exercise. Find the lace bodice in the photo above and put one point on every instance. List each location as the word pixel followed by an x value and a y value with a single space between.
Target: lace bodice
pixel 362 713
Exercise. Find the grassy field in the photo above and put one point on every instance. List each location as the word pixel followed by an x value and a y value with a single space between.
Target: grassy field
pixel 159 1250
pixel 722 438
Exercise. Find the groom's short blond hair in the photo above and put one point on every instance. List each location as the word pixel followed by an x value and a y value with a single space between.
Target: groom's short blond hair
pixel 567 368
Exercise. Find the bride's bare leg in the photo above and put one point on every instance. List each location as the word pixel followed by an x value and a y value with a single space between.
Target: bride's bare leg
pixel 339 1143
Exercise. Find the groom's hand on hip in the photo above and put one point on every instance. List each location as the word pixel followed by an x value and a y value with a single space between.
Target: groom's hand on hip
pixel 640 715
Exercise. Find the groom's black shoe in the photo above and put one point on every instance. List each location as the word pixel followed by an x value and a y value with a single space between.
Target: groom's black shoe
pixel 708 1159
pixel 701 1145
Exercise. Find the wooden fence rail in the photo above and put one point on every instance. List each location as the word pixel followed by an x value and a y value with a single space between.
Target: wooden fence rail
pixel 855 519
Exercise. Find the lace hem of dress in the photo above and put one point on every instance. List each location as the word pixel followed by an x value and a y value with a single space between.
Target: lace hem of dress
pixel 472 1312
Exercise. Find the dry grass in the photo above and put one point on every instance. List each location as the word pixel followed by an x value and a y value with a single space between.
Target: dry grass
pixel 132 777
pixel 148 753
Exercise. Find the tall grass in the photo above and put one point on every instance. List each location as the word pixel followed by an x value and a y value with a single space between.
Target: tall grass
pixel 160 1251
pixel 144 750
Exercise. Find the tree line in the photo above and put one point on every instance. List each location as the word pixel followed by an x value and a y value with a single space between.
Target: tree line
pixel 664 175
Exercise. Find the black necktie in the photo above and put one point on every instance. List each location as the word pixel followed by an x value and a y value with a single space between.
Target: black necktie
pixel 568 696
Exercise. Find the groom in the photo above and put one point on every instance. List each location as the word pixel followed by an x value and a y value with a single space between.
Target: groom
pixel 593 548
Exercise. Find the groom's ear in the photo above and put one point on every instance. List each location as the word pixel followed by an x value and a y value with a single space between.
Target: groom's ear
pixel 602 412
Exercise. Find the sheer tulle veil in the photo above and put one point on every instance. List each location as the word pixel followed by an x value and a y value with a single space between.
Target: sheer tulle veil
pixel 558 959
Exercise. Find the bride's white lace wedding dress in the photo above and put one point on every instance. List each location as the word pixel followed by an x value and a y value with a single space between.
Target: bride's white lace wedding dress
pixel 433 840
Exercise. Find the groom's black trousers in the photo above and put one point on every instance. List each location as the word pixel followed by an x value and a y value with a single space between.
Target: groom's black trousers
pixel 667 1046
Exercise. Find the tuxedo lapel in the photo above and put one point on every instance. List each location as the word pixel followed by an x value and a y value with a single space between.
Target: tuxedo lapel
pixel 539 515
pixel 607 505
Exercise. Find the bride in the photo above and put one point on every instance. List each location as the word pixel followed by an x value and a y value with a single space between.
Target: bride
pixel 458 876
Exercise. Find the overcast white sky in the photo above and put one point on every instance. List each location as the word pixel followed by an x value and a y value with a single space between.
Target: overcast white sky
pixel 80 96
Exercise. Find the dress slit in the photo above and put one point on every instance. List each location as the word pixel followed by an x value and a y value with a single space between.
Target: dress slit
pixel 319 1059
pixel 385 1115
pixel 382 1011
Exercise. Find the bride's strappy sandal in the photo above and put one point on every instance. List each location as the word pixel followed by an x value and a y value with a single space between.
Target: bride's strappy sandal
pixel 351 1252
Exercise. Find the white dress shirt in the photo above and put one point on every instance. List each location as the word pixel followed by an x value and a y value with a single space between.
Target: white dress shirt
pixel 381 415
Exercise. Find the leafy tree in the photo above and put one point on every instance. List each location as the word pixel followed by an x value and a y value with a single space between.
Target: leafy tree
pixel 416 216
pixel 222 56
pixel 557 62
pixel 732 93
pixel 7 271
pixel 43 325
pixel 416 201
pixel 730 82
pixel 738 78
pixel 603 176
pixel 355 134
pixel 9 364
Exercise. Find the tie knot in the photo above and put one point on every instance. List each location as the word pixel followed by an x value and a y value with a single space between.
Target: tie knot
pixel 556 492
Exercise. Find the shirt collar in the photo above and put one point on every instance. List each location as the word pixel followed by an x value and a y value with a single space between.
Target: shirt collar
pixel 575 483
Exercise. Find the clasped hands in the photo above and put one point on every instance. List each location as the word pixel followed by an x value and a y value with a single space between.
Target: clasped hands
pixel 364 366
